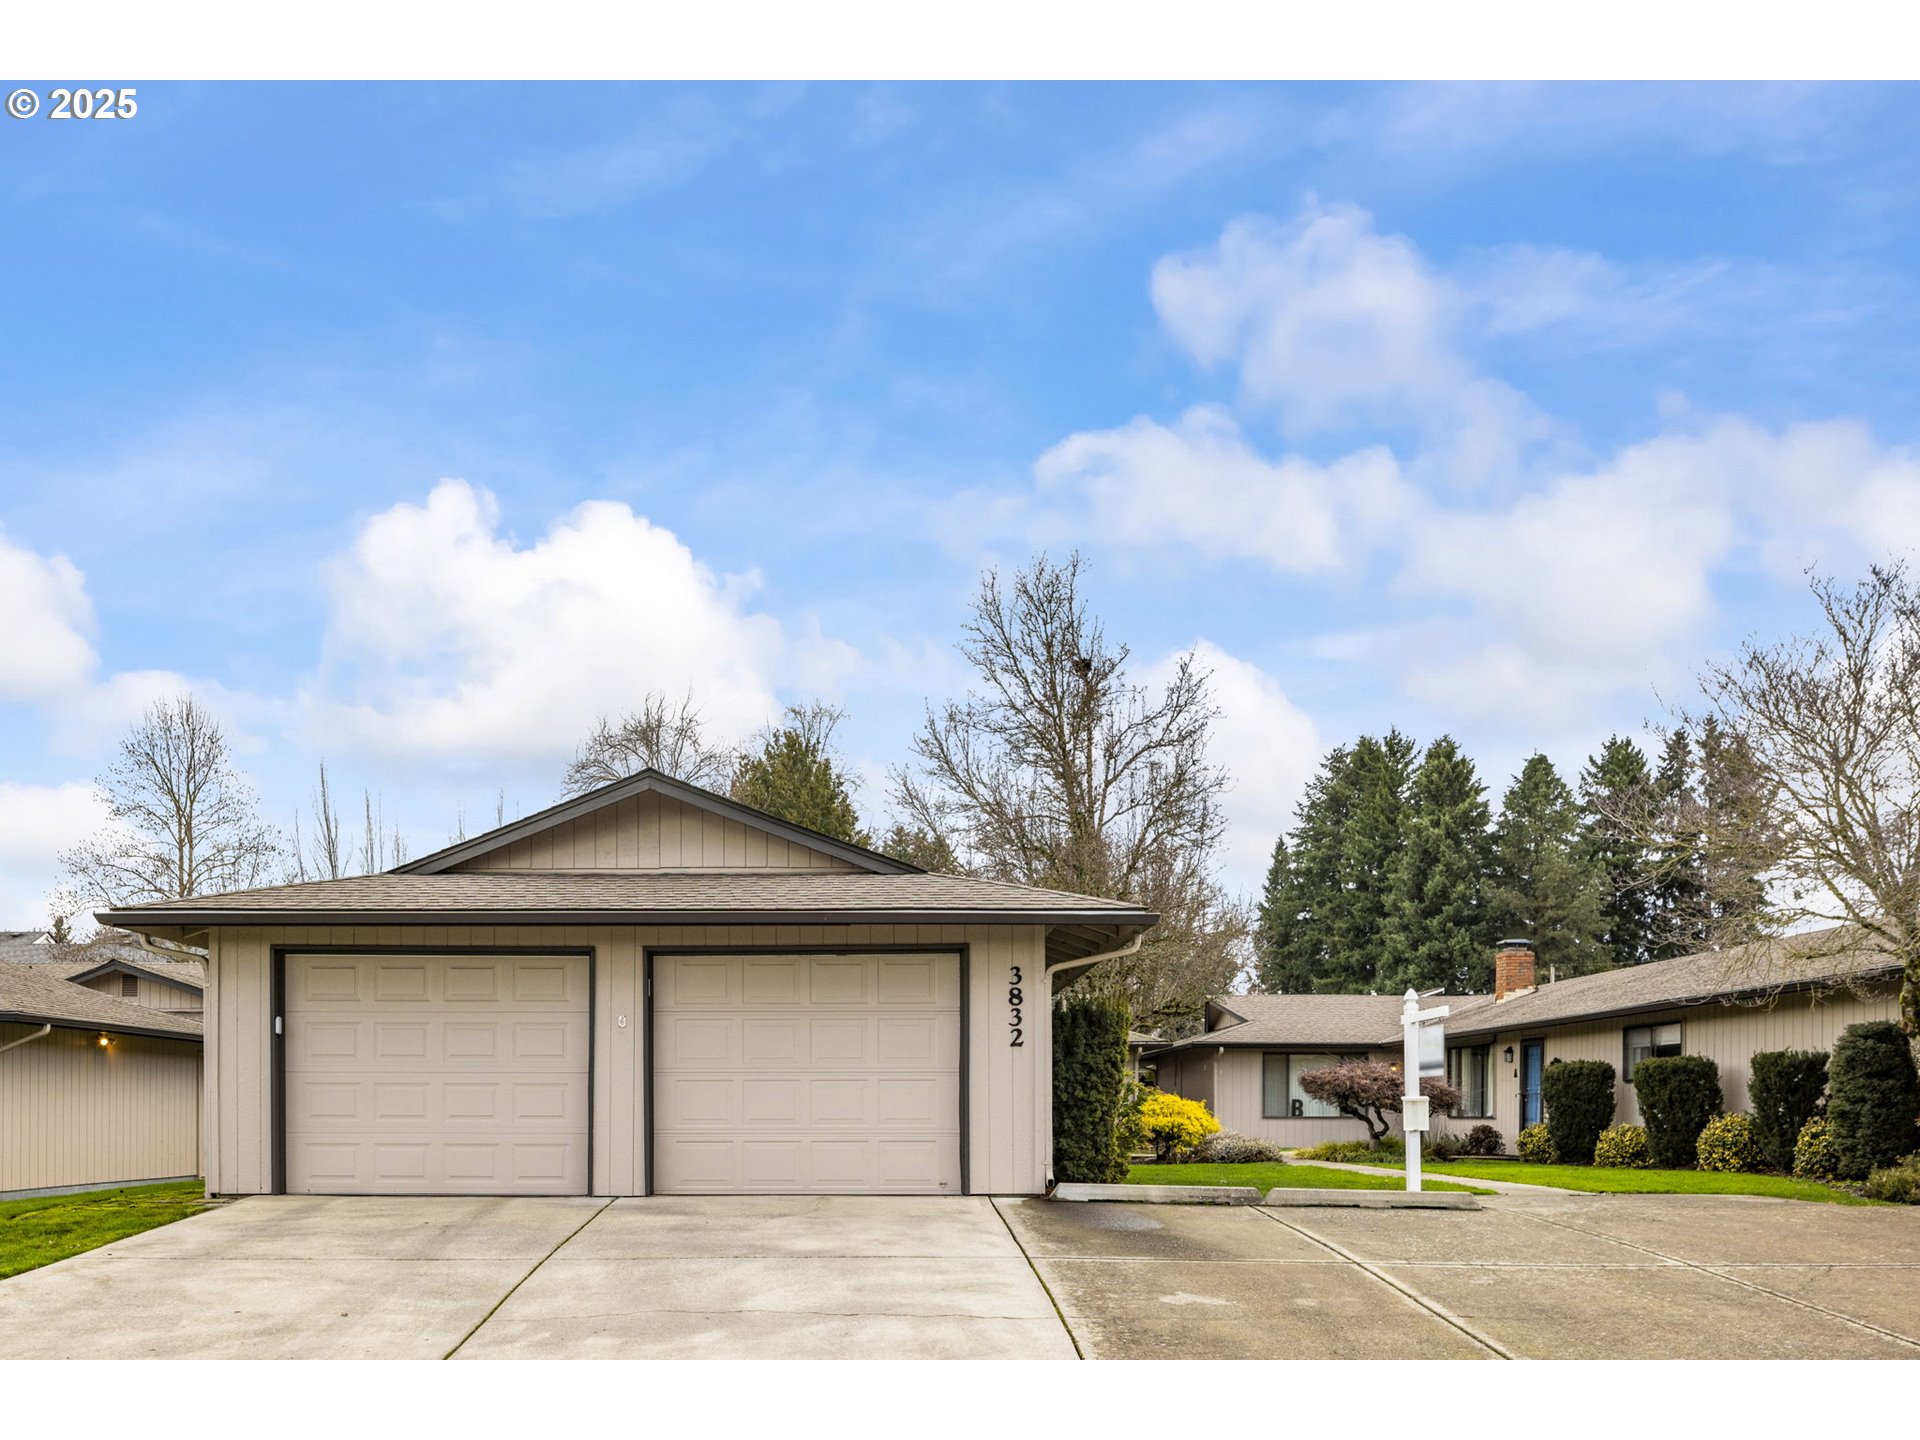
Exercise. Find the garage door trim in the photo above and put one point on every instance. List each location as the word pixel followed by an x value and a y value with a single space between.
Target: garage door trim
pixel 279 954
pixel 960 948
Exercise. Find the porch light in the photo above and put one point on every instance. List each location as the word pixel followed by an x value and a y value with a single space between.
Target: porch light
pixel 104 1041
pixel 1507 1055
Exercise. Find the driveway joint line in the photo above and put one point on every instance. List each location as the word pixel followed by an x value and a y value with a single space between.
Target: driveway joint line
pixel 495 1310
pixel 1039 1279
pixel 1893 1335
pixel 1431 1306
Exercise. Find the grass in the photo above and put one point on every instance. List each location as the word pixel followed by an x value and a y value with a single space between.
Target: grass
pixel 38 1232
pixel 1602 1180
pixel 1271 1176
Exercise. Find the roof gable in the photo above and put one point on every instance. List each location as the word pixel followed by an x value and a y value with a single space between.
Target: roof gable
pixel 188 978
pixel 651 821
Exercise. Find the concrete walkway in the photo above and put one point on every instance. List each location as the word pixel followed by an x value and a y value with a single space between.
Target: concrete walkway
pixel 1499 1187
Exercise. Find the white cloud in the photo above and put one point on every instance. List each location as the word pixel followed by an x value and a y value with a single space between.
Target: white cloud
pixel 37 822
pixel 1201 483
pixel 448 639
pixel 1269 747
pixel 49 620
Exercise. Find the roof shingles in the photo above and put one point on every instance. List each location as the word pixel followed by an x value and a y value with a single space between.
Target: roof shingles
pixel 38 995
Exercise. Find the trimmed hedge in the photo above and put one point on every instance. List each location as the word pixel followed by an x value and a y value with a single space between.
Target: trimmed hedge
pixel 1785 1090
pixel 1578 1095
pixel 1534 1145
pixel 1622 1147
pixel 1679 1094
pixel 1873 1096
pixel 1090 1085
pixel 1729 1144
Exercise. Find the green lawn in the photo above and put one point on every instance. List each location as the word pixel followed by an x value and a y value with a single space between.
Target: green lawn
pixel 1267 1177
pixel 1601 1180
pixel 38 1232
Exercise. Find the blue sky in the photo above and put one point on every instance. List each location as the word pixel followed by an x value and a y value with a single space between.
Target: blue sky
pixel 413 426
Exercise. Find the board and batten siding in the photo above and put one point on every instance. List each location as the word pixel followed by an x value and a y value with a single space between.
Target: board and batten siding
pixel 148 994
pixel 74 1112
pixel 1229 1081
pixel 1009 1108
pixel 654 832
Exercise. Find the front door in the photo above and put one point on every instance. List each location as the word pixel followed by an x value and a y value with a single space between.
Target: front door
pixel 1531 1054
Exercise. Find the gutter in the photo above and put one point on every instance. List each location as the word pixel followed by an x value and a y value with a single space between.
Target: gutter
pixel 1087 962
pixel 112 1027
pixel 40 1034
pixel 130 919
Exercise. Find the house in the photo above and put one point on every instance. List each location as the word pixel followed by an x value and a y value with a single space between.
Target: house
pixel 1728 1005
pixel 647 989
pixel 123 971
pixel 95 1091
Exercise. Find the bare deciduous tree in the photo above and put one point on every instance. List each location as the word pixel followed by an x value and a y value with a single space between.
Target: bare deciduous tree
pixel 1062 773
pixel 184 821
pixel 660 735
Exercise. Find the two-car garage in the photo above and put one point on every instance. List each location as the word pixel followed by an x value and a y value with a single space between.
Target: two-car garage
pixel 794 1073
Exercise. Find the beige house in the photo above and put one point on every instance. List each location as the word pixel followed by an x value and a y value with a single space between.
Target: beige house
pixel 648 989
pixel 1726 1005
pixel 95 1091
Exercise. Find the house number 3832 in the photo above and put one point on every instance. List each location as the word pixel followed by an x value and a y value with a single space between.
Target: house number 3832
pixel 1016 999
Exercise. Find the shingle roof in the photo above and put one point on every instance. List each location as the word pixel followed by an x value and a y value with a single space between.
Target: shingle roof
pixel 28 993
pixel 674 897
pixel 1834 956
pixel 1278 1021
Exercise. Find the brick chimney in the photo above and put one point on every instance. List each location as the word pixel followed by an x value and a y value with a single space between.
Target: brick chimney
pixel 1512 969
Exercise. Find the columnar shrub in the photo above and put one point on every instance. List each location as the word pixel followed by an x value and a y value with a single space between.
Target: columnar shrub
pixel 1622 1147
pixel 1728 1143
pixel 1534 1144
pixel 1785 1091
pixel 1578 1095
pixel 1679 1094
pixel 1090 1087
pixel 1175 1125
pixel 1814 1157
pixel 1872 1097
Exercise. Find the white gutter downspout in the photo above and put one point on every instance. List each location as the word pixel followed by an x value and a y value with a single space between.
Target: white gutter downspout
pixel 1085 962
pixel 40 1034
pixel 172 957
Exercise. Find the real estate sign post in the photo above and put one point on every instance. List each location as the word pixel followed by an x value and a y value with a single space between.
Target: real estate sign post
pixel 1423 1051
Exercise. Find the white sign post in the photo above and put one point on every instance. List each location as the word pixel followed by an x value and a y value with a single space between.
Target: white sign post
pixel 1423 1051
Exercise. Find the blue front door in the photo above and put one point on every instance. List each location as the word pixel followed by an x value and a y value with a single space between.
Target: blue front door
pixel 1531 1052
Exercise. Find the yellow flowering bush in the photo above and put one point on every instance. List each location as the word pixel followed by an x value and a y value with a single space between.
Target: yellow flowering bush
pixel 1814 1157
pixel 1534 1145
pixel 1174 1124
pixel 1623 1147
pixel 1729 1142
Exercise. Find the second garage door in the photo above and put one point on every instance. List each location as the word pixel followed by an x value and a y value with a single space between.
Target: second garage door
pixel 436 1074
pixel 820 1074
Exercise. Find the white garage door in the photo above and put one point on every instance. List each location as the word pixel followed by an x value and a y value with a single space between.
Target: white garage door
pixel 825 1074
pixel 436 1075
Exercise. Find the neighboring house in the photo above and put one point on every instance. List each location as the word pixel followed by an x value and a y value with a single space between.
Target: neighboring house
pixel 1138 1043
pixel 646 989
pixel 94 1091
pixel 1726 1005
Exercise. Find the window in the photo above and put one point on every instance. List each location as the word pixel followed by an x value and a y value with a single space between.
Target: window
pixel 1467 1068
pixel 1281 1097
pixel 129 985
pixel 1646 1041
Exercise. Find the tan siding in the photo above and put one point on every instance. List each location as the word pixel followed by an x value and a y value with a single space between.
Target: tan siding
pixel 651 832
pixel 1008 1108
pixel 1229 1082
pixel 75 1113
pixel 148 994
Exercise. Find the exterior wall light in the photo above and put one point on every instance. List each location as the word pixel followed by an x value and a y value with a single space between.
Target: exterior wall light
pixel 104 1041
pixel 1507 1055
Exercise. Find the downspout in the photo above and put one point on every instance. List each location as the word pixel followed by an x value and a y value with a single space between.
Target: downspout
pixel 1088 961
pixel 172 957
pixel 1084 963
pixel 40 1034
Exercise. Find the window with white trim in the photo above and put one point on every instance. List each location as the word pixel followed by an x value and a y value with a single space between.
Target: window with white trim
pixel 1644 1042
pixel 1467 1069
pixel 1281 1097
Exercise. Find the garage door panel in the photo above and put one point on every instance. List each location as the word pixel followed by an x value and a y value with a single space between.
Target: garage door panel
pixel 437 1074
pixel 797 1073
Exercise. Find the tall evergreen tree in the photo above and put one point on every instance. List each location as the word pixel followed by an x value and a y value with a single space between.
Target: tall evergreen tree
pixel 793 774
pixel 1613 786
pixel 1379 777
pixel 1733 805
pixel 1301 925
pixel 1542 885
pixel 1678 890
pixel 1278 962
pixel 1437 932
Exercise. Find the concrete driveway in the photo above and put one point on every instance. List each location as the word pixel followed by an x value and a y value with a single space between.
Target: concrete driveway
pixel 1549 1276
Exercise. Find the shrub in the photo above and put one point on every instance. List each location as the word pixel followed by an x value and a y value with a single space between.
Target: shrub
pixel 1484 1140
pixel 1369 1091
pixel 1228 1148
pixel 1390 1151
pixel 1444 1145
pixel 1898 1183
pixel 1535 1145
pixel 1728 1143
pixel 1174 1124
pixel 1679 1094
pixel 1622 1147
pixel 1814 1157
pixel 1872 1097
pixel 1785 1092
pixel 1578 1095
pixel 1090 1088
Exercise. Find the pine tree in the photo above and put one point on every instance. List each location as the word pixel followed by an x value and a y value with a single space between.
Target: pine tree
pixel 1301 927
pixel 1379 776
pixel 1733 813
pixel 1437 932
pixel 1277 961
pixel 1541 886
pixel 1678 890
pixel 793 775
pixel 1612 787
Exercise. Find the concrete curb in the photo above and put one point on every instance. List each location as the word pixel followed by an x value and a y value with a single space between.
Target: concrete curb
pixel 1374 1199
pixel 1161 1194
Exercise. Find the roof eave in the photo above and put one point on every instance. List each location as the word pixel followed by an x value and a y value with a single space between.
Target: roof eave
pixel 1716 997
pixel 111 1027
pixel 143 920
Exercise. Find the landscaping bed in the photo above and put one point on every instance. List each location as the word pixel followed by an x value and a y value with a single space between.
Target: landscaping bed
pixel 52 1227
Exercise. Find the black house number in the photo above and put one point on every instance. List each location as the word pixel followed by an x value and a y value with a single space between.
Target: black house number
pixel 1015 999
